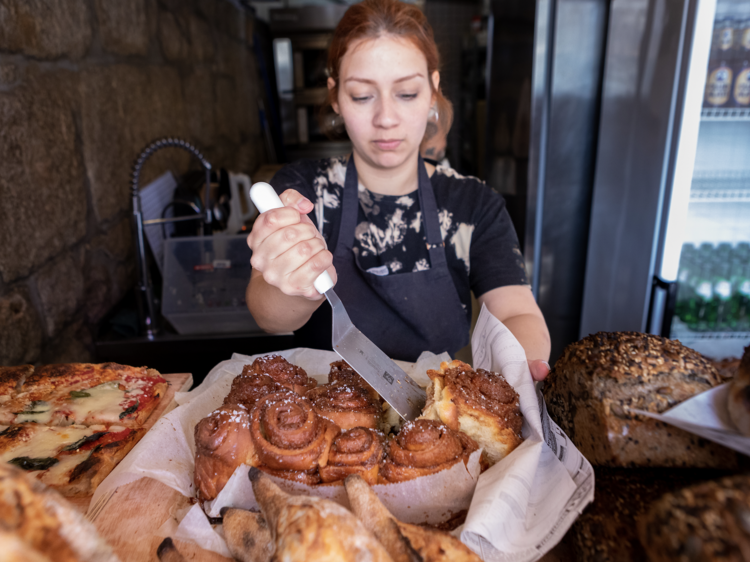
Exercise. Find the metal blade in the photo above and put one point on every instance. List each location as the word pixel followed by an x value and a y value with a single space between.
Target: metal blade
pixel 380 371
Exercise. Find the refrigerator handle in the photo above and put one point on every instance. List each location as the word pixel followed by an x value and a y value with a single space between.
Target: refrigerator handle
pixel 667 305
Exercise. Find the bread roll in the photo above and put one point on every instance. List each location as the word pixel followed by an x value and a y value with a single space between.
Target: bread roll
pixel 291 440
pixel 403 541
pixel 598 381
pixel 250 387
pixel 479 403
pixel 739 395
pixel 356 451
pixel 424 447
pixel 345 404
pixel 48 526
pixel 708 521
pixel 247 534
pixel 222 443
pixel 308 528
pixel 282 371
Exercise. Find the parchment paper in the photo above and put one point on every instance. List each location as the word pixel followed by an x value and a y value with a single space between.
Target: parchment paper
pixel 520 509
pixel 710 409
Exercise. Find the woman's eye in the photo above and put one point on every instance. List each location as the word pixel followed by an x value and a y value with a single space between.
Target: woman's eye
pixel 408 96
pixel 360 98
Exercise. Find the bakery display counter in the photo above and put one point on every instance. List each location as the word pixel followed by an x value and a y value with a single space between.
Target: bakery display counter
pixel 196 354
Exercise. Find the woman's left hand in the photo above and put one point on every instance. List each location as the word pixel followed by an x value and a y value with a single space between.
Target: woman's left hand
pixel 539 369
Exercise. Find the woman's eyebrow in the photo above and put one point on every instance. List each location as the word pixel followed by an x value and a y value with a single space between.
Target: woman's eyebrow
pixel 402 79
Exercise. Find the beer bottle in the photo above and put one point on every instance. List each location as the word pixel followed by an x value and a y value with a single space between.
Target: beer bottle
pixel 685 305
pixel 721 296
pixel 720 72
pixel 741 89
pixel 705 309
pixel 742 286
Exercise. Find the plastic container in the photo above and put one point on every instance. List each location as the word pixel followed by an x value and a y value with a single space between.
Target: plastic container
pixel 205 278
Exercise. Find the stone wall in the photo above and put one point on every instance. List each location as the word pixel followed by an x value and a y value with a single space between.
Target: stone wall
pixel 84 86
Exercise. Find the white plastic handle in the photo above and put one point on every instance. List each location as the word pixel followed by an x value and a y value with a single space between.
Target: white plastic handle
pixel 265 198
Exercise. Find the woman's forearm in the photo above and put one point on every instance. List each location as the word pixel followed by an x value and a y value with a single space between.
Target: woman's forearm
pixel 531 332
pixel 274 311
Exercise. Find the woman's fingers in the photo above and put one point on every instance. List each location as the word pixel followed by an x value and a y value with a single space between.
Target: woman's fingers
pixel 287 248
pixel 539 369
pixel 294 199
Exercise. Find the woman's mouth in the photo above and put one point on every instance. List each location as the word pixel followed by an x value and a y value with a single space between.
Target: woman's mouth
pixel 387 144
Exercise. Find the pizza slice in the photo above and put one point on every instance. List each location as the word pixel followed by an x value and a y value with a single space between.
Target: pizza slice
pixel 73 459
pixel 86 394
pixel 11 380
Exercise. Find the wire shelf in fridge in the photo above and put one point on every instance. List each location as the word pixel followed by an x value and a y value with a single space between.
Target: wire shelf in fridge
pixel 720 196
pixel 725 114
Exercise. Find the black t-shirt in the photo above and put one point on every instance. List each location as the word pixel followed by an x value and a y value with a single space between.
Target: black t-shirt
pixel 481 245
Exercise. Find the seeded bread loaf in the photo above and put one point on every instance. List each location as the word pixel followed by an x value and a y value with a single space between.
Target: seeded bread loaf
pixel 598 381
pixel 708 521
pixel 607 530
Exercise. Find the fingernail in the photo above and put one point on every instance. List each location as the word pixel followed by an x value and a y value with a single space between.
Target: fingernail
pixel 547 364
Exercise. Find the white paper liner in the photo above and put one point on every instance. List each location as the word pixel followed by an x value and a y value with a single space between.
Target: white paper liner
pixel 709 409
pixel 521 508
pixel 440 496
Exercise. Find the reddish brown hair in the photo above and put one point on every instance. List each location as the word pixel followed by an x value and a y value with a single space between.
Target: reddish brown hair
pixel 373 18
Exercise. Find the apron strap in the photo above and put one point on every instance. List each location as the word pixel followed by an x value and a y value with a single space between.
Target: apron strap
pixel 427 205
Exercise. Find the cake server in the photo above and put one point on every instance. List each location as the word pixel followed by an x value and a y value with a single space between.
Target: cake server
pixel 380 371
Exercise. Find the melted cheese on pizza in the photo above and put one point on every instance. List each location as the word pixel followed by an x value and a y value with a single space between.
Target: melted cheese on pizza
pixel 47 442
pixel 61 471
pixel 103 403
pixel 38 412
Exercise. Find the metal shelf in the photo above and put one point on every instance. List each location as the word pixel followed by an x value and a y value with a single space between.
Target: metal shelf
pixel 720 196
pixel 725 114
pixel 687 334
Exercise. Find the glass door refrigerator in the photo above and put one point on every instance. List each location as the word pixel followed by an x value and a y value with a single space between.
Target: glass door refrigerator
pixel 668 247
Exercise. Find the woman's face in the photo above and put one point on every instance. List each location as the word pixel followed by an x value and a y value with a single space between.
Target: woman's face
pixel 384 97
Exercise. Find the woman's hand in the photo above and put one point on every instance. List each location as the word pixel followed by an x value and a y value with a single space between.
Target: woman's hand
pixel 287 248
pixel 539 369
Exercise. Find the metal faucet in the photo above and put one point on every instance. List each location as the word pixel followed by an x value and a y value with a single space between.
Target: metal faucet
pixel 146 302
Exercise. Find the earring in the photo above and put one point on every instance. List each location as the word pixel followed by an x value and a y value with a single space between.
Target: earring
pixel 433 114
pixel 336 120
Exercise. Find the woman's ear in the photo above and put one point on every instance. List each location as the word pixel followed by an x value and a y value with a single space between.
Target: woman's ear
pixel 435 81
pixel 331 85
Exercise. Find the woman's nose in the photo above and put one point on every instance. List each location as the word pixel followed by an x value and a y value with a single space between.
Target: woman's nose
pixel 386 114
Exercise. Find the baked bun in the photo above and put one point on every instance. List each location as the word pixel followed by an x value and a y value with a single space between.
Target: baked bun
pixel 403 541
pixel 343 373
pixel 38 524
pixel 308 528
pixel 708 521
pixel 222 443
pixel 424 447
pixel 357 451
pixel 249 387
pixel 291 440
pixel 479 403
pixel 739 395
pixel 283 372
pixel 598 380
pixel 347 405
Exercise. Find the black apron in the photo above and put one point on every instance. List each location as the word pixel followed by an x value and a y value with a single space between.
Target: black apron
pixel 404 313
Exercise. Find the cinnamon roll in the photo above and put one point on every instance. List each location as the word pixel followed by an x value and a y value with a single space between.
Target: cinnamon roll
pixel 283 372
pixel 248 388
pixel 290 439
pixel 357 451
pixel 346 405
pixel 343 373
pixel 424 447
pixel 479 403
pixel 222 443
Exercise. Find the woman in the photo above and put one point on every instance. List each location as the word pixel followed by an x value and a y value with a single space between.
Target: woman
pixel 404 241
